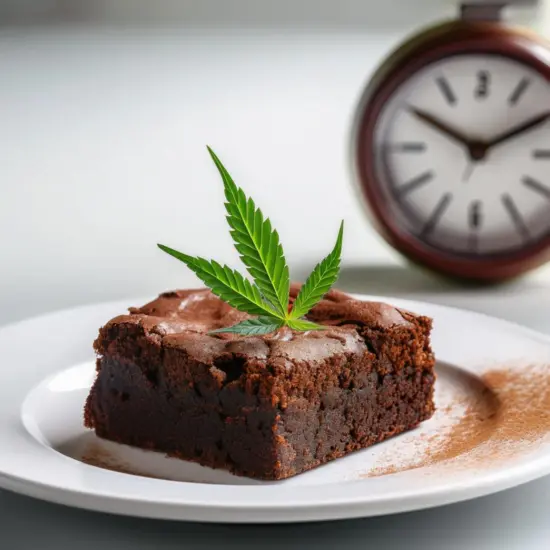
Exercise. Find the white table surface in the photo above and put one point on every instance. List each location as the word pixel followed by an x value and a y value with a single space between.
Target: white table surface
pixel 98 125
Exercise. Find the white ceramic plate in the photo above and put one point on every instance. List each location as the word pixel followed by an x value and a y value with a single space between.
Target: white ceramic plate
pixel 47 366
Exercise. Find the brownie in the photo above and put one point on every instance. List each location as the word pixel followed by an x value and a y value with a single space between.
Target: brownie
pixel 268 407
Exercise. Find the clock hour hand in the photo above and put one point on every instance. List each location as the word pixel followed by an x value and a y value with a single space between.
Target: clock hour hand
pixel 518 130
pixel 441 126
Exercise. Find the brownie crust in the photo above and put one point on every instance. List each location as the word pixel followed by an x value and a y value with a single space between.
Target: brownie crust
pixel 267 407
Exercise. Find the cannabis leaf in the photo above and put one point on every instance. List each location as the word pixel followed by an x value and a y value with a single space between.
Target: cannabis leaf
pixel 321 279
pixel 261 252
pixel 226 283
pixel 256 241
pixel 303 325
pixel 260 325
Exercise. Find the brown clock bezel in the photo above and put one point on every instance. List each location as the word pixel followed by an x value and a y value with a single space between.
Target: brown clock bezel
pixel 441 41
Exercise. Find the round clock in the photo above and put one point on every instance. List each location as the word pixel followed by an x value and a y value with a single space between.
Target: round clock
pixel 451 148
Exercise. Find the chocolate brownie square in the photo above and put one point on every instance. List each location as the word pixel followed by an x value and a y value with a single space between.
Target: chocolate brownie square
pixel 268 407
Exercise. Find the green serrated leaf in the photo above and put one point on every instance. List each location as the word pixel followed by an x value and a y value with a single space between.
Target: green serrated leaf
pixel 257 243
pixel 321 279
pixel 251 327
pixel 226 283
pixel 302 325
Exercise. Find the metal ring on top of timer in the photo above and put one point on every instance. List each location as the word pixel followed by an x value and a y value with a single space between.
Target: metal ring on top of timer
pixel 451 147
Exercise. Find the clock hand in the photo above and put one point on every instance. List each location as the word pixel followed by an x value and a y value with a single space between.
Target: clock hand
pixel 476 149
pixel 441 126
pixel 518 130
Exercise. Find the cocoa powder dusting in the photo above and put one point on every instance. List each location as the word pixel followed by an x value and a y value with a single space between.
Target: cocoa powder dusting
pixel 96 456
pixel 507 417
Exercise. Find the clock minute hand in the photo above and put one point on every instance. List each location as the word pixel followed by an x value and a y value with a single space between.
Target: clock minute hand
pixel 441 126
pixel 518 130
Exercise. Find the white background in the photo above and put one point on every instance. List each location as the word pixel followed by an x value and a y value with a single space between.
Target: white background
pixel 105 110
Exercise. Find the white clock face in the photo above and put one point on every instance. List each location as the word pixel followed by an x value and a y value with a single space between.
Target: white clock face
pixel 463 155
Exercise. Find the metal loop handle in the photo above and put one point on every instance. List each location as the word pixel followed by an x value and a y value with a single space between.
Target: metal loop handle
pixel 490 10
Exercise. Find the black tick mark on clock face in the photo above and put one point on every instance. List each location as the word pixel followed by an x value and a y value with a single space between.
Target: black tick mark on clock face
pixel 415 183
pixel 446 90
pixel 436 215
pixel 536 186
pixel 515 215
pixel 518 91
